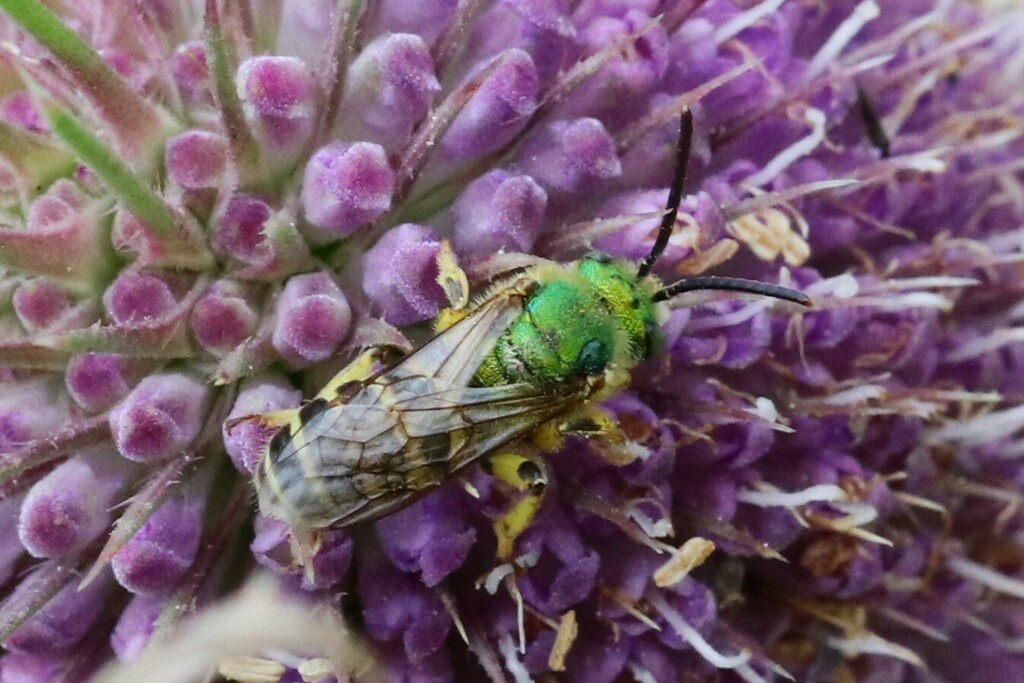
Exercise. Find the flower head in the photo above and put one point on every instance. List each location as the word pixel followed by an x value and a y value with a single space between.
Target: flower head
pixel 206 212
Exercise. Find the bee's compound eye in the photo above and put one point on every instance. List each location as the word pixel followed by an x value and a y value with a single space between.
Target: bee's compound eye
pixel 654 339
pixel 593 358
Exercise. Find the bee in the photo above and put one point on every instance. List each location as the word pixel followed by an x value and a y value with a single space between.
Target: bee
pixel 530 360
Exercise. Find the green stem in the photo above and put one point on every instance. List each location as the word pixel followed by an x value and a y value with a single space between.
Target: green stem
pixel 133 193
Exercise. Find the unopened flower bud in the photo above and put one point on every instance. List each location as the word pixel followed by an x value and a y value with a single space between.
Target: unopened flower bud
pixel 63 621
pixel 96 381
pixel 499 211
pixel 70 507
pixel 497 111
pixel 138 298
pixel 346 186
pixel 394 82
pixel 195 159
pixel 564 156
pixel 279 97
pixel 400 274
pixel 223 317
pixel 189 70
pixel 312 319
pixel 159 418
pixel 244 441
pixel 39 303
pixel 160 553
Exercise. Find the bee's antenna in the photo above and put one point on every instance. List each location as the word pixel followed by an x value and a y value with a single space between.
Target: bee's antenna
pixel 732 284
pixel 873 124
pixel 675 194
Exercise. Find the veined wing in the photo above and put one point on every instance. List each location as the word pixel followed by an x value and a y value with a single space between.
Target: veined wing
pixel 407 430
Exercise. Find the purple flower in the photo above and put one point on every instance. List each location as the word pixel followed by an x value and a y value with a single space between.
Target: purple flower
pixel 208 210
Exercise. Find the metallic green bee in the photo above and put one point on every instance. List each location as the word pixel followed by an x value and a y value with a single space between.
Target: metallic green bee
pixel 532 359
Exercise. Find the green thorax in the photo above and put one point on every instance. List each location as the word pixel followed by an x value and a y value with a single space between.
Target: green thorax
pixel 583 318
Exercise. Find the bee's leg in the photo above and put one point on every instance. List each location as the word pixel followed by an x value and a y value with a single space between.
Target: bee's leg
pixel 595 424
pixel 526 476
pixel 365 365
pixel 455 284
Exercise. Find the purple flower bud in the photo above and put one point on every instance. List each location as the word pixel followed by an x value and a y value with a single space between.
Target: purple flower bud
pixel 189 70
pixel 393 81
pixel 62 201
pixel 397 606
pixel 619 92
pixel 346 186
pixel 567 156
pixel 138 298
pixel 63 621
pixel 245 440
pixel 70 507
pixel 18 109
pixel 195 159
pixel 159 418
pixel 732 346
pixel 272 549
pixel 425 18
pixel 223 317
pixel 400 274
pixel 39 303
pixel 542 28
pixel 28 410
pixel 566 570
pixel 431 537
pixel 279 97
pixel 96 381
pixel 26 668
pixel 157 557
pixel 312 319
pixel 136 625
pixel 497 111
pixel 238 230
pixel 499 211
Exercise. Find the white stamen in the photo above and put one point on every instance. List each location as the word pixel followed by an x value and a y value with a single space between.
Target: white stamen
pixel 902 303
pixel 512 663
pixel 640 674
pixel 986 576
pixel 747 673
pixel 745 19
pixel 820 493
pixel 857 514
pixel 695 639
pixel 982 429
pixel 843 286
pixel 863 394
pixel 934 282
pixel 765 408
pixel 737 317
pixel 660 528
pixel 492 580
pixel 993 342
pixel 766 200
pixel 863 13
pixel 874 645
pixel 800 148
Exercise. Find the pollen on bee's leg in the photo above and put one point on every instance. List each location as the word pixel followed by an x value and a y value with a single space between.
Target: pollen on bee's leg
pixel 526 476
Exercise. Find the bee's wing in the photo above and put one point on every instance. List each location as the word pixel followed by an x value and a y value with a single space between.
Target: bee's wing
pixel 407 430
pixel 454 355
pixel 413 441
